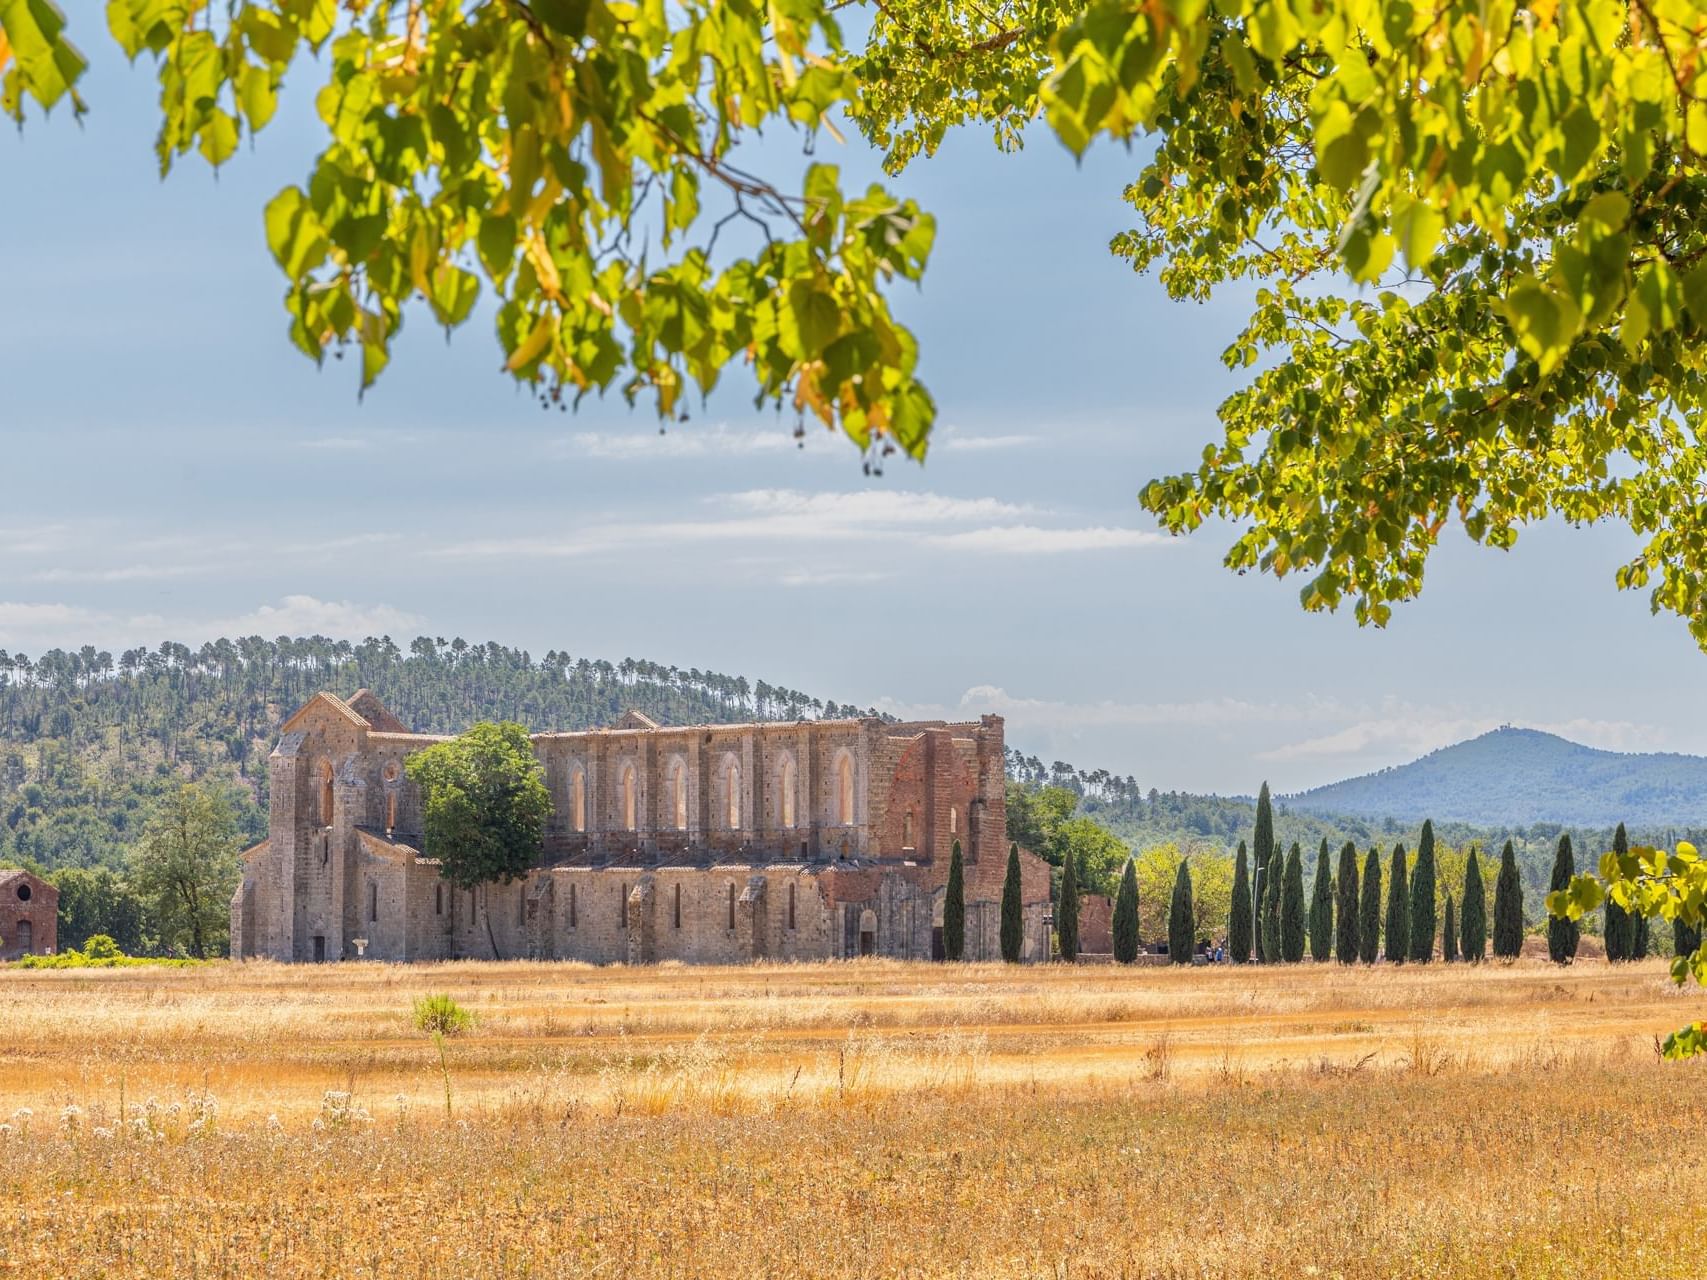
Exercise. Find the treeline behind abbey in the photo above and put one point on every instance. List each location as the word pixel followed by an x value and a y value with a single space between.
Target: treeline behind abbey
pixel 88 739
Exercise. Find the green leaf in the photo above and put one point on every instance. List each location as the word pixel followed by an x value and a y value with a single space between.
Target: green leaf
pixel 218 137
pixel 1417 225
pixel 1544 321
pixel 816 315
pixel 294 234
pixel 256 96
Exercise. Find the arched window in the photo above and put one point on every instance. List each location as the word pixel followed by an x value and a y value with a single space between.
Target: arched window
pixel 372 901
pixel 907 830
pixel 325 793
pixel 786 777
pixel 390 810
pixel 791 905
pixel 438 899
pixel 731 906
pixel 578 801
pixel 678 906
pixel 574 919
pixel 628 807
pixel 844 791
pixel 732 795
pixel 622 907
pixel 953 821
pixel 679 794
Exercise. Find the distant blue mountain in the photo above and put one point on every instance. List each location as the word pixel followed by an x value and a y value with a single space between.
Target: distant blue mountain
pixel 1520 776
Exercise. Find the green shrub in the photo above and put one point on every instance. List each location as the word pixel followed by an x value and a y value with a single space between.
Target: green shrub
pixel 101 947
pixel 439 1013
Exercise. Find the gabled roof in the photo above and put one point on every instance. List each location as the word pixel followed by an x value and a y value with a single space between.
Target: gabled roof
pixel 368 706
pixel 330 700
pixel 635 720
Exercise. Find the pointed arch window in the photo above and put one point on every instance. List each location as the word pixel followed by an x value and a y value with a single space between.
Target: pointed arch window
pixel 679 794
pixel 732 796
pixel 325 793
pixel 787 777
pixel 844 791
pixel 628 800
pixel 578 801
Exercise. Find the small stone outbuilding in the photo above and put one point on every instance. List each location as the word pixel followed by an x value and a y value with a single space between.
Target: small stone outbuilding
pixel 29 915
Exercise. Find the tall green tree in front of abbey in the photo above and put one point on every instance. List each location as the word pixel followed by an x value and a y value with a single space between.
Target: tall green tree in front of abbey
pixel 185 867
pixel 1240 919
pixel 483 806
pixel 1422 897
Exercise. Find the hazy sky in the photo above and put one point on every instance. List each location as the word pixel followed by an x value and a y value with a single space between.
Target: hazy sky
pixel 173 469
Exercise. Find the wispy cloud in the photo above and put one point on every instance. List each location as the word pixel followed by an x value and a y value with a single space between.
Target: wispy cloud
pixel 301 615
pixel 681 442
pixel 1029 539
pixel 119 573
pixel 831 577
pixel 953 441
pixel 339 444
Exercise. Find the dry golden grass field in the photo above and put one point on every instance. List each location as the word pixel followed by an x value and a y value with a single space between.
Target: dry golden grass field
pixel 857 1119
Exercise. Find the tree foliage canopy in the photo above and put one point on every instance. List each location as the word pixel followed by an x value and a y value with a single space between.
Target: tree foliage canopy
pixel 1474 232
pixel 483 803
pixel 185 866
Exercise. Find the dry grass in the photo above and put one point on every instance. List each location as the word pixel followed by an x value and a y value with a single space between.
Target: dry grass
pixel 862 1119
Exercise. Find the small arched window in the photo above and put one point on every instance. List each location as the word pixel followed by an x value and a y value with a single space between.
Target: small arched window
pixel 679 794
pixel 438 899
pixel 732 796
pixel 678 906
pixel 622 908
pixel 573 914
pixel 844 791
pixel 628 799
pixel 786 780
pixel 390 810
pixel 907 830
pixel 953 821
pixel 731 905
pixel 372 901
pixel 578 801
pixel 791 906
pixel 325 793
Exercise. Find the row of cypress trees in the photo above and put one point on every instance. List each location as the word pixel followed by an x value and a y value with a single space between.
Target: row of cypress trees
pixel 1345 916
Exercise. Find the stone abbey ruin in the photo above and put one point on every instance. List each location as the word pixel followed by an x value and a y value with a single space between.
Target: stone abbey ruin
pixel 802 840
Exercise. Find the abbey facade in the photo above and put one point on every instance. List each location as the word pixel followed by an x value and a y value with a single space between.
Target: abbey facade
pixel 711 844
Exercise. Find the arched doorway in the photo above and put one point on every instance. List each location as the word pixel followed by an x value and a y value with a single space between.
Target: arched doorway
pixel 868 932
pixel 26 937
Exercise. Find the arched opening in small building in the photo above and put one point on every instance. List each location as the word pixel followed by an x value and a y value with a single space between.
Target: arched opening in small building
pixel 26 937
pixel 868 932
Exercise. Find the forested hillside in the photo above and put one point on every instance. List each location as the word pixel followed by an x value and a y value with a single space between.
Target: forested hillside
pixel 87 740
pixel 1526 776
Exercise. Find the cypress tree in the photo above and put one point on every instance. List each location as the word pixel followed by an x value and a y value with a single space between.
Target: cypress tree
pixel 1013 910
pixel 1562 935
pixel 1126 916
pixel 1422 898
pixel 954 908
pixel 1508 907
pixel 1619 927
pixel 1685 938
pixel 1067 912
pixel 1273 880
pixel 1262 856
pixel 1398 908
pixel 1345 932
pixel 1639 938
pixel 1473 918
pixel 1240 921
pixel 1449 935
pixel 1180 918
pixel 1369 910
pixel 1292 908
pixel 1322 908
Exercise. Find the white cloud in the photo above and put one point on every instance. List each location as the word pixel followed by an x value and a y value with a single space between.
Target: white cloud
pixel 339 444
pixel 955 442
pixel 121 573
pixel 22 623
pixel 779 518
pixel 681 442
pixel 830 577
pixel 1029 539
pixel 302 615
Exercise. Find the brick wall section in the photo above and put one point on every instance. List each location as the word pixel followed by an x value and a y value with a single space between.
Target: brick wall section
pixel 29 916
pixel 1096 924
